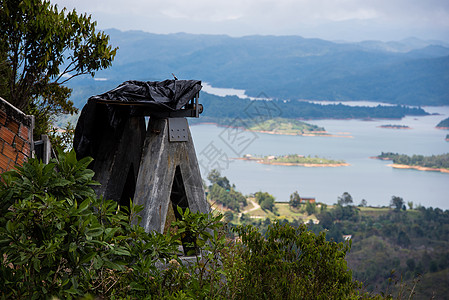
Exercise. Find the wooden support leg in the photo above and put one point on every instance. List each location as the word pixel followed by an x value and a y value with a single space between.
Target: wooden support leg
pixel 160 160
pixel 117 160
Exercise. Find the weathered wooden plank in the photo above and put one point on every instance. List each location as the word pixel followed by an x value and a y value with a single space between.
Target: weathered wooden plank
pixel 160 159
pixel 117 160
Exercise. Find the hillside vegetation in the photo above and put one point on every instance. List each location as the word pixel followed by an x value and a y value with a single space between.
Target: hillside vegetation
pixel 408 246
pixel 401 242
pixel 59 240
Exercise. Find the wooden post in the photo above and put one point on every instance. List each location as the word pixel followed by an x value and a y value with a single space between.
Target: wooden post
pixel 169 175
pixel 116 162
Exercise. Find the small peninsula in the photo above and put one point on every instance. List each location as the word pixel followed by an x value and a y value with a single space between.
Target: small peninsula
pixel 438 163
pixel 295 160
pixel 390 126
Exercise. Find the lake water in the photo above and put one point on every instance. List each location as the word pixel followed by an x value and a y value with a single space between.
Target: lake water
pixel 365 178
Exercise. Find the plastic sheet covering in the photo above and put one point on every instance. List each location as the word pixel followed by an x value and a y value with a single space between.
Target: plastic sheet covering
pixel 168 94
pixel 99 122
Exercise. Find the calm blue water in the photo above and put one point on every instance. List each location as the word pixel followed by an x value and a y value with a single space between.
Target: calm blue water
pixel 365 178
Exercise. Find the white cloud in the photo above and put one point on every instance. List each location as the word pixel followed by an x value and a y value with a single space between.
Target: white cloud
pixel 242 17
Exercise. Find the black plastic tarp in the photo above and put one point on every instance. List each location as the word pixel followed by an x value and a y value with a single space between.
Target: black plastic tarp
pixel 101 116
pixel 167 94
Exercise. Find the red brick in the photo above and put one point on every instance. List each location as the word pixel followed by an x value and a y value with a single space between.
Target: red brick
pixel 13 126
pixel 4 163
pixel 6 135
pixel 2 118
pixel 26 149
pixel 1 146
pixel 18 143
pixel 24 132
pixel 20 159
pixel 9 152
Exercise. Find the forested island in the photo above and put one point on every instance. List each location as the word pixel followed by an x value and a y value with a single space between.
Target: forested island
pixel 443 124
pixel 296 160
pixel 390 126
pixel 419 162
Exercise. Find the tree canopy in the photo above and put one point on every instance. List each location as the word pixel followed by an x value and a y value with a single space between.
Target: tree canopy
pixel 295 199
pixel 397 202
pixel 345 199
pixel 216 178
pixel 41 48
pixel 265 200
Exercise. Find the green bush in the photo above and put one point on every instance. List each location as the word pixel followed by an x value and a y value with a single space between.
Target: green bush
pixel 58 239
pixel 291 263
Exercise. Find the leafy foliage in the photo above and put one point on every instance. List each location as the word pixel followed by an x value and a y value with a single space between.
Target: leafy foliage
pixel 295 199
pixel 265 200
pixel 221 191
pixel 216 178
pixel 397 203
pixel 57 239
pixel 345 199
pixel 392 239
pixel 283 265
pixel 41 48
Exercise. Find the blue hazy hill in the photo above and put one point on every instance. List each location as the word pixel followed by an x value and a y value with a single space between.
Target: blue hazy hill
pixel 412 72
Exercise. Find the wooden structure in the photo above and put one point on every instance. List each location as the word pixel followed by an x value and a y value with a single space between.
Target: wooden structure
pixel 154 167
pixel 169 174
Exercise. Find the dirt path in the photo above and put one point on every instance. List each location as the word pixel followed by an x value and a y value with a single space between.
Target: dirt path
pixel 255 206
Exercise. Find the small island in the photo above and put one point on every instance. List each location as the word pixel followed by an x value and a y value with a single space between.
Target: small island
pixel 288 127
pixel 438 163
pixel 295 160
pixel 443 124
pixel 390 126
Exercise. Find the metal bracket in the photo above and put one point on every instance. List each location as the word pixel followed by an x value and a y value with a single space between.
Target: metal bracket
pixel 178 130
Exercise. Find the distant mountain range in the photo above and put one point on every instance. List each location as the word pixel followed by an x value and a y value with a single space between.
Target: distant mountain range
pixel 412 71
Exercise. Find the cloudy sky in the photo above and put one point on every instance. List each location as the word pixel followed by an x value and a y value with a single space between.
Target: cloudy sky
pixel 351 20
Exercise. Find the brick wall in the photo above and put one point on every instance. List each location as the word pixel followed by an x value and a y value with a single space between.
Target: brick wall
pixel 16 136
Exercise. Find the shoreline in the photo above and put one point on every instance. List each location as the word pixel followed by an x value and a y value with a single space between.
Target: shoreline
pixel 307 165
pixel 419 168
